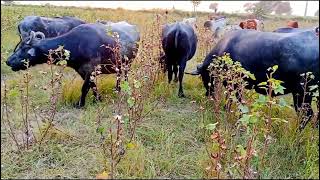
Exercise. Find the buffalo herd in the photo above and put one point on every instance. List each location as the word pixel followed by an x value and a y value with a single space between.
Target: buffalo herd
pixel 295 50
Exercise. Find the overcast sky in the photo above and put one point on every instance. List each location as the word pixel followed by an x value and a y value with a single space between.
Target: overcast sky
pixel 226 6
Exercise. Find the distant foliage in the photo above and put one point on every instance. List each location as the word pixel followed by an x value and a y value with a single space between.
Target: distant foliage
pixel 283 8
pixel 267 7
pixel 214 7
pixel 8 2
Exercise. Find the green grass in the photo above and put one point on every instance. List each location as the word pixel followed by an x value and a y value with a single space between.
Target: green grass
pixel 170 142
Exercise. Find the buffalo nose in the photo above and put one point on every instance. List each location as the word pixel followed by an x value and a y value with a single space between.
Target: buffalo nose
pixel 8 63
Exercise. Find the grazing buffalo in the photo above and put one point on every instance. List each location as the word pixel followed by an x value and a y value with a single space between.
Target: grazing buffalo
pixel 50 27
pixel 220 32
pixel 129 37
pixel 294 53
pixel 179 43
pixel 89 46
pixel 219 27
pixel 252 24
pixel 216 24
pixel 292 24
pixel 290 29
pixel 192 21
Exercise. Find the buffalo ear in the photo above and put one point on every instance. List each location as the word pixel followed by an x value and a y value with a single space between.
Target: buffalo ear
pixel 32 52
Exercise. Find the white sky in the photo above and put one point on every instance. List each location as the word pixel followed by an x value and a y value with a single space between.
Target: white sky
pixel 226 6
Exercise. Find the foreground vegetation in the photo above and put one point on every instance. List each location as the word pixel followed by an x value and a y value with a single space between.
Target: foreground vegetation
pixel 162 136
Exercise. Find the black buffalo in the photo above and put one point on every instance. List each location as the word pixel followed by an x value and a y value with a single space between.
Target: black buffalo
pixel 179 43
pixel 129 36
pixel 291 30
pixel 89 46
pixel 50 27
pixel 294 53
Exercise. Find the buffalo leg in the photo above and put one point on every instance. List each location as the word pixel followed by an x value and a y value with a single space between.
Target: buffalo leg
pixel 84 90
pixel 304 107
pixel 170 72
pixel 175 71
pixel 182 67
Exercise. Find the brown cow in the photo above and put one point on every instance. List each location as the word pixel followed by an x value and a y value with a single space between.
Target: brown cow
pixel 251 24
pixel 293 24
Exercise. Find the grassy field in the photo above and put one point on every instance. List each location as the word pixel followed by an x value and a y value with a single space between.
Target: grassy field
pixel 170 141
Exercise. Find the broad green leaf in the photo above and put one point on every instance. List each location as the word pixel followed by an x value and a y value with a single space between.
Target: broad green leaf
pixel 262 99
pixel 262 84
pixel 245 119
pixel 211 126
pixel 125 87
pixel 243 108
pixel 279 90
pixel 250 75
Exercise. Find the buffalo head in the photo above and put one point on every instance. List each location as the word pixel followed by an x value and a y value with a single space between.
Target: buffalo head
pixel 25 52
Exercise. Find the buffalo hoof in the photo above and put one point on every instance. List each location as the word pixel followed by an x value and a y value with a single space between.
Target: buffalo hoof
pixel 97 99
pixel 175 80
pixel 116 89
pixel 78 105
pixel 181 95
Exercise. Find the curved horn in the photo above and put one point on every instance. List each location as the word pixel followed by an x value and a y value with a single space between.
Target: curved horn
pixel 31 36
pixel 41 35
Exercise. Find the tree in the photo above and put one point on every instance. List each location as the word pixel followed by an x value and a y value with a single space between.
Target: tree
pixel 257 9
pixel 248 7
pixel 195 4
pixel 8 2
pixel 316 13
pixel 267 7
pixel 214 7
pixel 283 8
